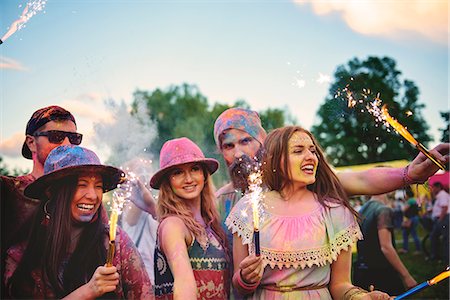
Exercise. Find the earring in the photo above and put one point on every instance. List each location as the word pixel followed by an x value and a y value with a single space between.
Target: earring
pixel 46 219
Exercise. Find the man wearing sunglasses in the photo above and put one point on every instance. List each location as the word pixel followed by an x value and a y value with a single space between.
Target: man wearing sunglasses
pixel 47 128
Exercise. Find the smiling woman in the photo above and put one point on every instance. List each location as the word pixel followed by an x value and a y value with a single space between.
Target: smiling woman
pixel 62 253
pixel 307 227
pixel 191 257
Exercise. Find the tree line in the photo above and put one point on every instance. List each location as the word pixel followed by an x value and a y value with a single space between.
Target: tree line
pixel 345 128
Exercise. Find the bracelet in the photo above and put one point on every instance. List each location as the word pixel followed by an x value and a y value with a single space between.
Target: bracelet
pixel 246 287
pixel 353 292
pixel 406 179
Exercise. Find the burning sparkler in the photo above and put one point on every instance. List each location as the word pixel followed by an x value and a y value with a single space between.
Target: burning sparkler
pixel 119 198
pixel 425 284
pixel 402 130
pixel 255 188
pixel 31 8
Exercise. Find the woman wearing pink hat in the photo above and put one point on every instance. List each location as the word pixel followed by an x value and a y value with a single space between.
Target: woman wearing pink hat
pixel 191 257
pixel 63 252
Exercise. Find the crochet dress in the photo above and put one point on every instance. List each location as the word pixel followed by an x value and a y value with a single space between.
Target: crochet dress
pixel 297 250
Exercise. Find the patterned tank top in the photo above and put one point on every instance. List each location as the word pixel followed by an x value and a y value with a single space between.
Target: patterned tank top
pixel 209 265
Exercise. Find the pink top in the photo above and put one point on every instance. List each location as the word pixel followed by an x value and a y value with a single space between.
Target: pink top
pixel 297 250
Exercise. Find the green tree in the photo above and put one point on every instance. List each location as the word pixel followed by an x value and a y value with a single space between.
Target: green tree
pixel 273 118
pixel 3 167
pixel 445 131
pixel 183 111
pixel 4 170
pixel 349 133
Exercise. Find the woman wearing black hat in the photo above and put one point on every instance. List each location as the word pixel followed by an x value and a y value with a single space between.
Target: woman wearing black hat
pixel 65 252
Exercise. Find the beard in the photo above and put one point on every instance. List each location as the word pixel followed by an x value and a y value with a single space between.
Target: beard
pixel 242 167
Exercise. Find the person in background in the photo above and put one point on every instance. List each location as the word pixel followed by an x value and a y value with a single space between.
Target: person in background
pixel 63 254
pixel 307 227
pixel 47 128
pixel 398 209
pixel 138 221
pixel 191 256
pixel 440 215
pixel 410 222
pixel 378 263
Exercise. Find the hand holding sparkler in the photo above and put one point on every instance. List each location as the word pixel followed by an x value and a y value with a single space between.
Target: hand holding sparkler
pixel 402 130
pixel 425 284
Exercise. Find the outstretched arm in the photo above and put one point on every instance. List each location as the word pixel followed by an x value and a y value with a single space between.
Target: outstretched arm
pixel 382 180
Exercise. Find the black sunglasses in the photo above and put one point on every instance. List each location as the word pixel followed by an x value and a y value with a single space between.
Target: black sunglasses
pixel 58 136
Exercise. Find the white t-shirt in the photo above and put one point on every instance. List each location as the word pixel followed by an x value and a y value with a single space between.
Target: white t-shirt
pixel 442 200
pixel 146 247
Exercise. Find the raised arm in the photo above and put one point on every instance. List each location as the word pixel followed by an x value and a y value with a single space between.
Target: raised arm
pixel 141 200
pixel 382 180
pixel 174 238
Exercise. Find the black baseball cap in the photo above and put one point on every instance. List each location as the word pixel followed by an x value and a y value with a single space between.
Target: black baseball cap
pixel 40 118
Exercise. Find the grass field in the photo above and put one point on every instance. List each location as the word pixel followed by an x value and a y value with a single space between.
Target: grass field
pixel 423 270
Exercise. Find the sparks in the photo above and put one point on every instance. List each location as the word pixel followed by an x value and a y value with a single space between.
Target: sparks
pixel 32 8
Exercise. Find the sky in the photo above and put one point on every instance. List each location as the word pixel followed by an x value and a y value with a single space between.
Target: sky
pixel 80 54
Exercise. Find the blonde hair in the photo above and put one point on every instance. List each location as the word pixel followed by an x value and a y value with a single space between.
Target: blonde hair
pixel 276 169
pixel 169 204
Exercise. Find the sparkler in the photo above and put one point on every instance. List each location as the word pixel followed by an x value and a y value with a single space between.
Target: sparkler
pixel 425 284
pixel 120 195
pixel 402 130
pixel 255 182
pixel 31 8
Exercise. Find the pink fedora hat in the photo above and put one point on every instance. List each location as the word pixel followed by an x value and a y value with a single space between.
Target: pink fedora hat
pixel 177 152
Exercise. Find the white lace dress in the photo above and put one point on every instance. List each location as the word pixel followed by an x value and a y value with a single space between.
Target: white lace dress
pixel 297 250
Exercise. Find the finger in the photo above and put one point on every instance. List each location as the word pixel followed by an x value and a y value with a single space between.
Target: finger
pixel 253 268
pixel 109 277
pixel 105 270
pixel 249 260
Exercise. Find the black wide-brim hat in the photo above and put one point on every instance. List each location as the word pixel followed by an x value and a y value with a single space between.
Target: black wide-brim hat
pixel 70 160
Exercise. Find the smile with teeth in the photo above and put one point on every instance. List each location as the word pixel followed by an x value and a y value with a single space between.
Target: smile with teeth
pixel 308 169
pixel 85 207
pixel 189 188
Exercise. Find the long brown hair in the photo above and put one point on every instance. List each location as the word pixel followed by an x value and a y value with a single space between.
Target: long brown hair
pixel 48 246
pixel 276 172
pixel 169 204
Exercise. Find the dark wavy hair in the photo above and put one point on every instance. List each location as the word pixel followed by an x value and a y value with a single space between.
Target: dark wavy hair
pixel 327 186
pixel 48 245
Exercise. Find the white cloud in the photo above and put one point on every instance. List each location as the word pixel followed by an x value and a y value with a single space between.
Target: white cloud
pixel 391 18
pixel 13 146
pixel 11 64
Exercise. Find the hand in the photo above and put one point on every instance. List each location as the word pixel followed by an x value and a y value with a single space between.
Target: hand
pixel 376 295
pixel 140 195
pixel 104 280
pixel 421 168
pixel 251 269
